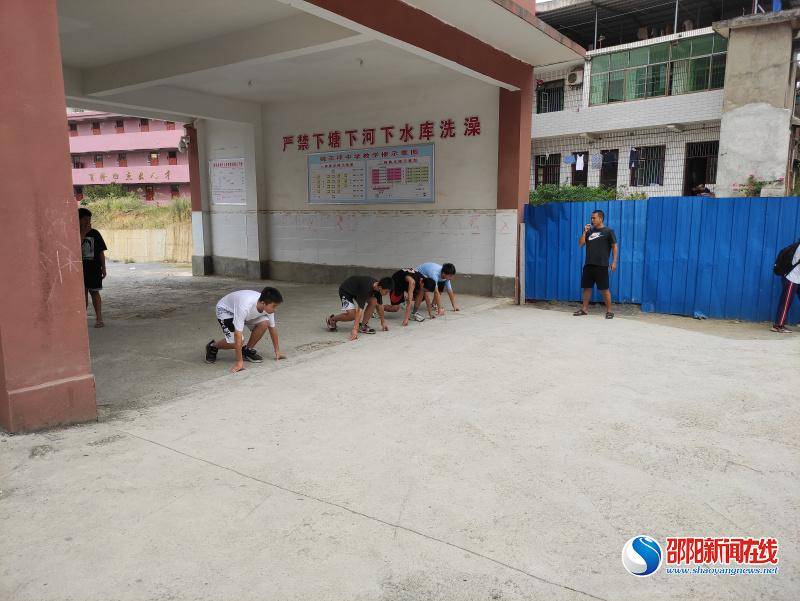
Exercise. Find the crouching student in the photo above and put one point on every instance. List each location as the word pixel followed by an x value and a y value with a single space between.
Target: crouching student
pixel 246 308
pixel 409 286
pixel 360 294
pixel 442 275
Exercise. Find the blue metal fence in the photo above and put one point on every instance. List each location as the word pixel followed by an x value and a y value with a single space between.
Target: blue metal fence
pixel 677 254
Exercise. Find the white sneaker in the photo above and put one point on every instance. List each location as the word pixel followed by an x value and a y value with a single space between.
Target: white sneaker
pixel 417 317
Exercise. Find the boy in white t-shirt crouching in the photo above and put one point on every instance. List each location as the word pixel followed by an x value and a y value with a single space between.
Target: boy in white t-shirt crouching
pixel 246 308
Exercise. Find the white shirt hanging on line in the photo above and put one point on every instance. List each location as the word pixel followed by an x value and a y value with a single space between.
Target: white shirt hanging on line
pixel 579 162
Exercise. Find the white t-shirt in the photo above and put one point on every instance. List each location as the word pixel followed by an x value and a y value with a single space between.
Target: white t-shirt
pixel 240 306
pixel 794 274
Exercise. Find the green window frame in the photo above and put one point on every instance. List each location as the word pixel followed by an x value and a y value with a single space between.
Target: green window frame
pixel 666 69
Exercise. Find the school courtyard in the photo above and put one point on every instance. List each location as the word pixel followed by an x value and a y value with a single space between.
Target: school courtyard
pixel 505 452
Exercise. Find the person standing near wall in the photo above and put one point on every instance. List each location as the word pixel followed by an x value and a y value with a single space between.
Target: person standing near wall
pixel 600 242
pixel 789 269
pixel 93 249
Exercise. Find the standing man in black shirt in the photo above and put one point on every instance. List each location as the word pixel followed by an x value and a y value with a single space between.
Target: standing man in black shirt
pixel 360 294
pixel 600 242
pixel 93 249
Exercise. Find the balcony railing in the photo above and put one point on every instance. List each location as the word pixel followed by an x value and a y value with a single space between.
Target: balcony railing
pixel 125 141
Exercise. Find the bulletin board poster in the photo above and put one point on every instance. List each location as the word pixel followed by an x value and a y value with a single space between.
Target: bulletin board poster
pixel 394 174
pixel 227 181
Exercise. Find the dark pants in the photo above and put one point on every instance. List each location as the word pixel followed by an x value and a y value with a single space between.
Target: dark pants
pixel 790 290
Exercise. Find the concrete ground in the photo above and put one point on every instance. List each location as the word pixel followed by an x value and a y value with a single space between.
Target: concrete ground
pixel 501 453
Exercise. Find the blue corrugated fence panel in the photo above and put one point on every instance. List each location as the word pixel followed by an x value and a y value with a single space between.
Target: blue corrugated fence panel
pixel 677 254
pixel 754 261
pixel 681 271
pixel 735 300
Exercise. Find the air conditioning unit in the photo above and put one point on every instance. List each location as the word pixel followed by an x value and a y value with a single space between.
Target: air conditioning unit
pixel 575 77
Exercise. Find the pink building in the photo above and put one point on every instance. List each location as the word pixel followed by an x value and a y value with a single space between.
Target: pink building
pixel 142 155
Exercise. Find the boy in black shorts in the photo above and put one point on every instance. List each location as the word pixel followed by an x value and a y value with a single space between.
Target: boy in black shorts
pixel 600 242
pixel 256 310
pixel 360 294
pixel 409 285
pixel 93 249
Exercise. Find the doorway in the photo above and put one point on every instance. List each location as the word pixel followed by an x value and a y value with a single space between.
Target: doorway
pixel 701 165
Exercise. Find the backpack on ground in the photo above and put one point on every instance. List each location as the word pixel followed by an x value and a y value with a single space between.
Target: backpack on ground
pixel 783 262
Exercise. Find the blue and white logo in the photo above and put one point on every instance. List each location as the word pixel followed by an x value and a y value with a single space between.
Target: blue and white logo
pixel 641 555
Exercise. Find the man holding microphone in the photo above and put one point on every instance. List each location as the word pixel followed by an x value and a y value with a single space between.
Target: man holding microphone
pixel 600 242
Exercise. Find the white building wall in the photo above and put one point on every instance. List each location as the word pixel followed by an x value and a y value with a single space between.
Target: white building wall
pixel 635 114
pixel 623 125
pixel 674 159
pixel 460 226
pixel 234 228
pixel 573 95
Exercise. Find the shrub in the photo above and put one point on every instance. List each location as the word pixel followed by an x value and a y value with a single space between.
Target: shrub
pixel 132 213
pixel 552 193
pixel 104 191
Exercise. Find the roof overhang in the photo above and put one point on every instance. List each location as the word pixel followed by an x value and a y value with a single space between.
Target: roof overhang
pixel 511 26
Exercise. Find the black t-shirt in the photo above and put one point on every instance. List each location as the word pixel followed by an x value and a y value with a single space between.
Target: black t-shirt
pixel 401 283
pixel 91 247
pixel 598 245
pixel 359 287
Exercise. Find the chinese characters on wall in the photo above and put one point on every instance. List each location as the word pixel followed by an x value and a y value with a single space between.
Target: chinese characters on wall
pixel 227 179
pixel 426 131
pixel 129 176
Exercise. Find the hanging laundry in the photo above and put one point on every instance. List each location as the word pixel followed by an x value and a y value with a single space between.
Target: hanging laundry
pixel 579 162
pixel 569 159
pixel 633 160
pixel 596 161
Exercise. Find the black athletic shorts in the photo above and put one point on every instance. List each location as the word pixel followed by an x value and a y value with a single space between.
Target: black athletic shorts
pixel 595 275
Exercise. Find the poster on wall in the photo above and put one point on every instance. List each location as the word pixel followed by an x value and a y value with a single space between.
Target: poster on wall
pixel 394 174
pixel 226 178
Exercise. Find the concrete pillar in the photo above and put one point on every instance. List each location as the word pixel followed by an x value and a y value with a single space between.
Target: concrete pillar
pixel 45 376
pixel 231 234
pixel 755 129
pixel 513 182
pixel 201 224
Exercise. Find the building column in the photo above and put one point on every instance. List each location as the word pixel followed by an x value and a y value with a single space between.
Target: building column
pixel 756 126
pixel 201 225
pixel 513 182
pixel 45 370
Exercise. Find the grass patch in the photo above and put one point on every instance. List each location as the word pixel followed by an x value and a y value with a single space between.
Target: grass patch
pixel 132 213
pixel 552 193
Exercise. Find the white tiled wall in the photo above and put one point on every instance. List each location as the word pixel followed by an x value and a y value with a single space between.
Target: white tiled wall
pixel 229 234
pixel 674 160
pixel 636 114
pixel 388 239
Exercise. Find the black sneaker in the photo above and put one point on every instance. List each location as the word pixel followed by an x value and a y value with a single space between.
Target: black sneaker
pixel 251 355
pixel 211 352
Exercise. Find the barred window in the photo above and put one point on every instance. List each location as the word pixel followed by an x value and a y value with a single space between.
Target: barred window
pixel 550 97
pixel 580 177
pixel 608 168
pixel 708 151
pixel 649 168
pixel 547 169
